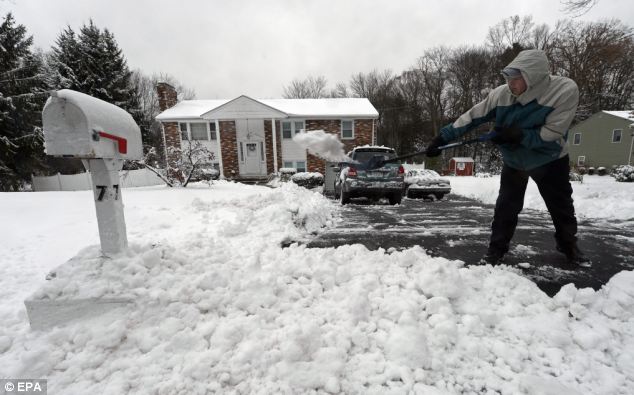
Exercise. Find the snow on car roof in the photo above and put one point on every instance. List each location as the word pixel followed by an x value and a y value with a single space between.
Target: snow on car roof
pixel 372 147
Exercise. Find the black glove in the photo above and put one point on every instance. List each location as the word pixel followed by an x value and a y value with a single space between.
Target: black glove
pixel 432 149
pixel 508 134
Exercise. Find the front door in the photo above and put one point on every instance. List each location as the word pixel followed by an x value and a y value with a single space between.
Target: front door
pixel 252 157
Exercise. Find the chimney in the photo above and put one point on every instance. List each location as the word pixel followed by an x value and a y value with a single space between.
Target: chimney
pixel 171 135
pixel 166 95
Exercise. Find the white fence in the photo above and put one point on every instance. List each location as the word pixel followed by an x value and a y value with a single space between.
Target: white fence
pixel 82 182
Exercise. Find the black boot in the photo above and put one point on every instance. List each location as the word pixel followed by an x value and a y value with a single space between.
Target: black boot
pixel 492 257
pixel 573 254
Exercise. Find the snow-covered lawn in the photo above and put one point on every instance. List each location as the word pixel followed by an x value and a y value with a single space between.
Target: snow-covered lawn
pixel 599 197
pixel 221 307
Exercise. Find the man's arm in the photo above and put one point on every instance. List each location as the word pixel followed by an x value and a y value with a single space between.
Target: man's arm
pixel 477 115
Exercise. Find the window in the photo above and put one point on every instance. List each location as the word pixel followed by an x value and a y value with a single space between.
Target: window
pixel 241 152
pixel 290 128
pixel 298 127
pixel 581 161
pixel 576 139
pixel 616 135
pixel 299 165
pixel 183 128
pixel 347 129
pixel 198 131
pixel 287 132
pixel 212 130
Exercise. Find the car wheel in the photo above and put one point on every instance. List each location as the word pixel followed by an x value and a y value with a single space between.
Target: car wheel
pixel 439 196
pixel 344 197
pixel 395 198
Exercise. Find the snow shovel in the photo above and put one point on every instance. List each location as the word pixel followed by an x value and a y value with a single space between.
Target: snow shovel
pixel 375 162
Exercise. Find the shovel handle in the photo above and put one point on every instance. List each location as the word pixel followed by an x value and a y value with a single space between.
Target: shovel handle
pixel 485 137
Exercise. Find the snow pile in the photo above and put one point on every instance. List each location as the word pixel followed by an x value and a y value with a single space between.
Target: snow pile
pixel 220 306
pixel 325 145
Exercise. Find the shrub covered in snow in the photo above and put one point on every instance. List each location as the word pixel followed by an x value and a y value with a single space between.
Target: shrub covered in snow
pixel 574 176
pixel 624 173
pixel 308 180
pixel 602 171
pixel 286 173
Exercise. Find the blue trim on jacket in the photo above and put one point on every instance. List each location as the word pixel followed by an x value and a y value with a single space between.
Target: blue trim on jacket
pixel 533 151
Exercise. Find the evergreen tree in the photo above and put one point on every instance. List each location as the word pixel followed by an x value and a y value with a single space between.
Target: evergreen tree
pixel 64 61
pixel 91 62
pixel 22 96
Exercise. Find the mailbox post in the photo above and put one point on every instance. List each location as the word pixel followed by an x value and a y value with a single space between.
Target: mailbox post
pixel 102 135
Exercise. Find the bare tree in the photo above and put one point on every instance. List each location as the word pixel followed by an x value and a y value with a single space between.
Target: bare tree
pixel 340 91
pixel 145 91
pixel 469 73
pixel 192 158
pixel 433 67
pixel 599 57
pixel 380 87
pixel 309 88
pixel 577 8
pixel 512 30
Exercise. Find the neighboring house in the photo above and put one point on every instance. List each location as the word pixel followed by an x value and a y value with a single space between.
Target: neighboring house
pixel 605 139
pixel 251 139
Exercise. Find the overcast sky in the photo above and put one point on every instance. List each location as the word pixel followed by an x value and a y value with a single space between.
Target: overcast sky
pixel 223 49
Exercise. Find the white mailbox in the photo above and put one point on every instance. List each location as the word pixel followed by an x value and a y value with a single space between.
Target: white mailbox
pixel 102 135
pixel 80 126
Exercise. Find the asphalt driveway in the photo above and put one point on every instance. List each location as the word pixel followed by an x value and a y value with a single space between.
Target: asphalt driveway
pixel 459 228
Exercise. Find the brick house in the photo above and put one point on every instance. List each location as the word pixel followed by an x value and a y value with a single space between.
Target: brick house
pixel 251 139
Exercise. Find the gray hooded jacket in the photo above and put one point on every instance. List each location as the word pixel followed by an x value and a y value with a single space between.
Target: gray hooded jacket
pixel 544 112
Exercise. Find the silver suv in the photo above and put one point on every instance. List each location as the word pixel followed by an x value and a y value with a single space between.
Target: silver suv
pixel 360 179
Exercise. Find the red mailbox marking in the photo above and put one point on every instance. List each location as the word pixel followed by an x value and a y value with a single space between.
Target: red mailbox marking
pixel 121 142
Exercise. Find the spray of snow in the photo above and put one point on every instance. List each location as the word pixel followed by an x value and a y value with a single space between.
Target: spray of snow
pixel 324 145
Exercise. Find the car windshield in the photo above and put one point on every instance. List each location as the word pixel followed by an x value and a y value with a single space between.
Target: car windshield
pixel 364 156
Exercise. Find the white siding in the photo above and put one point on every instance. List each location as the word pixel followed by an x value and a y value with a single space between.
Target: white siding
pixel 253 128
pixel 291 151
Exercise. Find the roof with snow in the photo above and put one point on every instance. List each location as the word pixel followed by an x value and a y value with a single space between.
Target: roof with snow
pixel 462 159
pixel 292 108
pixel 188 109
pixel 622 114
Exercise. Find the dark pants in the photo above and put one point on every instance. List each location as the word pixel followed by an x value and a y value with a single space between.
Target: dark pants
pixel 554 186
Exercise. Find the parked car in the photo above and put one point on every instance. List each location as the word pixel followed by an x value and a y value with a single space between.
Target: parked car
pixel 355 180
pixel 424 183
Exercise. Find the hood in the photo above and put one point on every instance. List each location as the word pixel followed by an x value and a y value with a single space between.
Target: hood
pixel 534 66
